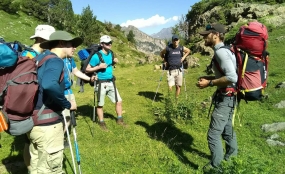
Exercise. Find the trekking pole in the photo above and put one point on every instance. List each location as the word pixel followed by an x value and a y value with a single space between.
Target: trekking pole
pixel 73 122
pixel 94 109
pixel 183 73
pixel 158 83
pixel 70 147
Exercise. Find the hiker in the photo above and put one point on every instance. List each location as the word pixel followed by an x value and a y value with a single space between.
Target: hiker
pixel 173 56
pixel 42 33
pixel 106 81
pixel 223 99
pixel 46 137
pixel 70 69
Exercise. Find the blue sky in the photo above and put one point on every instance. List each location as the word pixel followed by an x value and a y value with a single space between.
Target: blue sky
pixel 150 16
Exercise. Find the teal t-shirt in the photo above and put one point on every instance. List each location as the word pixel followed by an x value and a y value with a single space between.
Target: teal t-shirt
pixel 103 74
pixel 69 65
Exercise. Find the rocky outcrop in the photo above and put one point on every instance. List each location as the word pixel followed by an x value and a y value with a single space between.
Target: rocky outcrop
pixel 241 13
pixel 144 42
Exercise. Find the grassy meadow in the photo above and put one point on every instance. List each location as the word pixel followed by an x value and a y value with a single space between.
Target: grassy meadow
pixel 164 136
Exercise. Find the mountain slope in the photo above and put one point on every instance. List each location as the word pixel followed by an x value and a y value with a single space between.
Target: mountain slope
pixel 144 42
pixel 165 33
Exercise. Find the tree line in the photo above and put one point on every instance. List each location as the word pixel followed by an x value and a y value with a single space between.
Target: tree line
pixel 59 13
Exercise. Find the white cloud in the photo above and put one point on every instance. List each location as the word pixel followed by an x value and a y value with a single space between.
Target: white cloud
pixel 150 22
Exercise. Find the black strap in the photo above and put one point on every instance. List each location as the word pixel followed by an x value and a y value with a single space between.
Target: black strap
pixel 99 88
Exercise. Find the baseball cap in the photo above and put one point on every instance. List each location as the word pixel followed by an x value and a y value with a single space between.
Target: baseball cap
pixel 213 28
pixel 175 37
pixel 43 31
pixel 105 39
pixel 61 35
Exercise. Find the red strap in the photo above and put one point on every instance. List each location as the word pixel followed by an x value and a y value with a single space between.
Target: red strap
pixel 41 62
pixel 218 66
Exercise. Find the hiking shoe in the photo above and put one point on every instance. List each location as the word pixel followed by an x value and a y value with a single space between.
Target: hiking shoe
pixel 103 126
pixel 121 122
pixel 210 168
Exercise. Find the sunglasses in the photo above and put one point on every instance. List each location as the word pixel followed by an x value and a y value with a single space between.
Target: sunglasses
pixel 175 39
pixel 209 27
pixel 109 43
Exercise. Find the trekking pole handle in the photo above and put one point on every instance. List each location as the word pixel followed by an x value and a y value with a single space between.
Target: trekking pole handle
pixel 73 120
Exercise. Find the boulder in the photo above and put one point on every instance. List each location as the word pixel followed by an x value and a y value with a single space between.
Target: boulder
pixel 274 127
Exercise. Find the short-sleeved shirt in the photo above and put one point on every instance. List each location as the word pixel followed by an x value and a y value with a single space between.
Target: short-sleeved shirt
pixel 103 74
pixel 30 54
pixel 69 65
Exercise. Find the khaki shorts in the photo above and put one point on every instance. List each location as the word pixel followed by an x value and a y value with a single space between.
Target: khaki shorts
pixel 175 78
pixel 46 148
pixel 107 88
pixel 70 97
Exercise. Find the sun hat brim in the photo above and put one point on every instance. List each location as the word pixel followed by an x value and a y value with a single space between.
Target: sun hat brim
pixel 75 42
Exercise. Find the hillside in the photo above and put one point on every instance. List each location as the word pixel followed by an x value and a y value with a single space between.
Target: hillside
pixel 144 42
pixel 21 26
pixel 163 136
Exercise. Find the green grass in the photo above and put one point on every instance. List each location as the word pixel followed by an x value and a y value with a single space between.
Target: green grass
pixel 151 144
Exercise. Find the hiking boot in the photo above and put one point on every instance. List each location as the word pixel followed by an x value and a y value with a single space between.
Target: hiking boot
pixel 210 168
pixel 103 126
pixel 121 122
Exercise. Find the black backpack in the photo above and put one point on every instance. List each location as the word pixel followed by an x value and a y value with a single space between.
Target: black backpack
pixel 85 56
pixel 166 56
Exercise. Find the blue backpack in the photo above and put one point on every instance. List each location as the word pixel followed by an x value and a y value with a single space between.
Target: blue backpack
pixel 9 52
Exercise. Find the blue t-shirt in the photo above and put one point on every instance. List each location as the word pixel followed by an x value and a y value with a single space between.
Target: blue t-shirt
pixel 69 65
pixel 103 74
pixel 30 54
pixel 50 86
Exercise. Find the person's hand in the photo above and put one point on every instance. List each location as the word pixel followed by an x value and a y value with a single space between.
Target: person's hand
pixel 93 78
pixel 202 83
pixel 73 106
pixel 102 65
pixel 116 60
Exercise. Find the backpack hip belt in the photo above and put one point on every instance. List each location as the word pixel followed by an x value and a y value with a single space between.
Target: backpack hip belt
pixel 105 80
pixel 108 81
pixel 45 116
pixel 229 92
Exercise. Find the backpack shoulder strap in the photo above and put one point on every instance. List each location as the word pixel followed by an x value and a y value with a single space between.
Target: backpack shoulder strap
pixel 167 49
pixel 100 57
pixel 49 56
pixel 41 62
pixel 181 50
pixel 214 60
pixel 113 57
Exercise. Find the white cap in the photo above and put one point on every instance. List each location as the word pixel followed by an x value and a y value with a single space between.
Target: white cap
pixel 105 39
pixel 43 31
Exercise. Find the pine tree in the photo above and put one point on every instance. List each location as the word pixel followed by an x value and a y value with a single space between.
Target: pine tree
pixel 131 37
pixel 87 26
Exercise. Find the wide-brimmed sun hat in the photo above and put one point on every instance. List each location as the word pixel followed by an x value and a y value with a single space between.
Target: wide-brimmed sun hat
pixel 63 36
pixel 43 31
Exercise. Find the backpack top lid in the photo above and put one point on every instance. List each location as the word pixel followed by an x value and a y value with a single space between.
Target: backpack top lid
pixel 259 28
pixel 252 38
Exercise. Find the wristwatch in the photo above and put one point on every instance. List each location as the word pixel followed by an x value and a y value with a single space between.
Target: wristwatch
pixel 211 83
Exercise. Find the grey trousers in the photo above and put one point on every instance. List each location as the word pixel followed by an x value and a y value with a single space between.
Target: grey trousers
pixel 221 125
